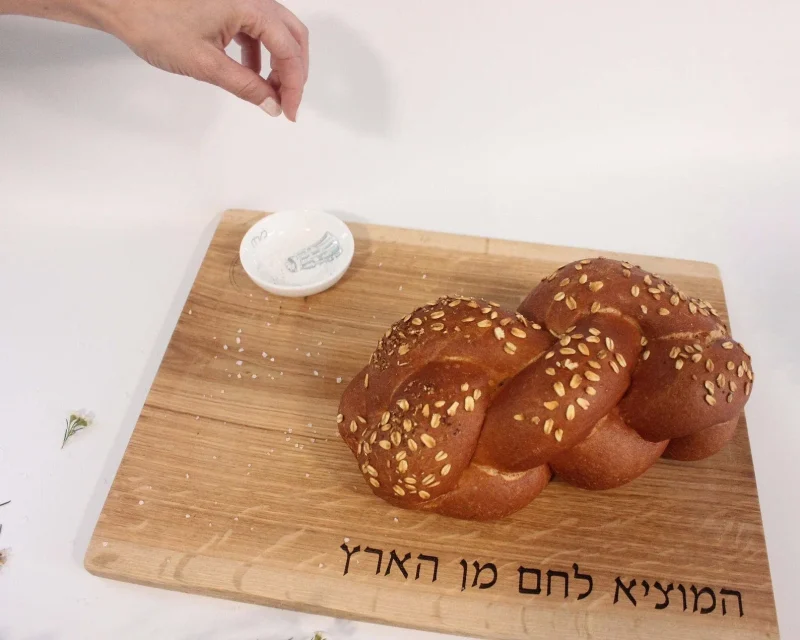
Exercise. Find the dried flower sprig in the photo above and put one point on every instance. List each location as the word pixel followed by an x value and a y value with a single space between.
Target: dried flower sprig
pixel 77 421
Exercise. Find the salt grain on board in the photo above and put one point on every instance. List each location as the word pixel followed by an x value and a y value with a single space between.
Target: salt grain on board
pixel 141 502
pixel 339 380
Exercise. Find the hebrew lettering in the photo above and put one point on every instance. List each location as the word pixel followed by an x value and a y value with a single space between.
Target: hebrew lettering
pixel 625 590
pixel 395 559
pixel 731 592
pixel 432 559
pixel 350 554
pixel 523 571
pixel 585 577
pixel 379 553
pixel 560 574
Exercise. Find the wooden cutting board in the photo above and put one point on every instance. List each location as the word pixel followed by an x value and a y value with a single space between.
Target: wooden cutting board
pixel 235 483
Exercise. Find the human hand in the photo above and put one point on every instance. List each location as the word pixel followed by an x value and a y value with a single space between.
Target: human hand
pixel 189 37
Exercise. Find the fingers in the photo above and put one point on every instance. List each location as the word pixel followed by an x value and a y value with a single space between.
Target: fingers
pixel 288 56
pixel 251 51
pixel 241 81
pixel 298 30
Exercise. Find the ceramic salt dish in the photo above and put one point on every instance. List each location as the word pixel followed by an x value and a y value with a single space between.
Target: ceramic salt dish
pixel 297 253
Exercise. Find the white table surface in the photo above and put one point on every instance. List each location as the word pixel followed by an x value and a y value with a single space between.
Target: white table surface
pixel 661 128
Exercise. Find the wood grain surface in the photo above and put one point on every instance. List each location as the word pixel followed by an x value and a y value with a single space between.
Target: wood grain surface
pixel 235 483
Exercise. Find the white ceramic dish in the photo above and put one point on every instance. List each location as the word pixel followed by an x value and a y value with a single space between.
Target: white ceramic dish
pixel 297 253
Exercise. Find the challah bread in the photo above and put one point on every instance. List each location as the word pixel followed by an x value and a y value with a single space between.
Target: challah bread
pixel 467 409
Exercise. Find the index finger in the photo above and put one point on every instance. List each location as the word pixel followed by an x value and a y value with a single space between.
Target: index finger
pixel 287 57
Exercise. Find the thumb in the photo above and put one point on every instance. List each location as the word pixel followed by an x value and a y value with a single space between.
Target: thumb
pixel 242 82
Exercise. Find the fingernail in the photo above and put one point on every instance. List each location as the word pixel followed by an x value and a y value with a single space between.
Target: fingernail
pixel 271 107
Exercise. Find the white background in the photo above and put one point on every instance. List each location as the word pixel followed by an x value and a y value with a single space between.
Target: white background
pixel 652 127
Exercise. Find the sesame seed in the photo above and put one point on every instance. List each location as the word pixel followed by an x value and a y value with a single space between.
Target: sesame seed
pixel 477 394
pixel 564 282
pixel 609 344
pixel 583 278
pixel 385 417
pixel 674 352
pixel 621 360
pixel 591 391
pixel 613 366
pixel 674 300
pixel 399 490
pixel 385 444
pixel 505 322
pixel 519 417
pixel 565 341
pixel 663 311
pixel 485 323
pixel 401 455
pixel 721 380
pixel 559 296
pixel 452 409
pixel 424 494
pixel 371 471
pixel 692 308
pixel 552 405
pixel 583 349
pixel 437 326
pixel 353 426
pixel 711 400
pixel 416 322
pixel 403 349
pixel 454 303
pixel 436 420
pixel 593 339
pixel 594 364
pixel 339 419
pixel 709 386
pixel 648 280
pixel 412 444
pixel 548 426
pixel 469 403
pixel 436 315
pixel 747 388
pixel 575 382
pixel 395 438
pixel 442 455
pixel 592 376
pixel 549 355
pixel 518 333
pixel 559 389
pixel 510 348
pixel 499 333
pixel 366 381
pixel 644 309
pixel 568 351
pixel 374 483
pixel 550 371
pixel 439 404
pixel 428 440
pixel 595 286
pixel 429 479
pixel 571 304
pixel 403 404
pixel 679 364
pixel 468 319
pixel 732 385
pixel 571 412
pixel 646 355
pixel 626 273
pixel 446 469
pixel 727 345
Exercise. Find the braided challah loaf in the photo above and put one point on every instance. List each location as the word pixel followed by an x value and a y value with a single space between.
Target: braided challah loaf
pixel 466 409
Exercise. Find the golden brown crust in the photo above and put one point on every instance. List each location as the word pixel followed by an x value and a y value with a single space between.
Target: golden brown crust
pixel 612 455
pixel 463 404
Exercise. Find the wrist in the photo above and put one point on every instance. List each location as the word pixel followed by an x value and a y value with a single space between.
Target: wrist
pixel 95 14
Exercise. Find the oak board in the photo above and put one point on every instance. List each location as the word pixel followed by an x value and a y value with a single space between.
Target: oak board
pixel 239 487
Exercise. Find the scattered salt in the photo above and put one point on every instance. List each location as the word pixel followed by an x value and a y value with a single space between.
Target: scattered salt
pixel 238 340
pixel 396 520
pixel 316 373
pixel 263 354
pixel 236 518
pixel 307 475
pixel 347 540
pixel 105 544
pixel 339 380
pixel 187 476
pixel 401 287
pixel 308 355
pixel 188 516
pixel 424 275
pixel 225 346
pixel 239 375
pixel 321 565
pixel 141 502
pixel 289 431
pixel 239 331
pixel 254 376
pixel 273 360
pixel 197 417
pixel 238 363
pixel 190 312
pixel 249 465
pixel 241 349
